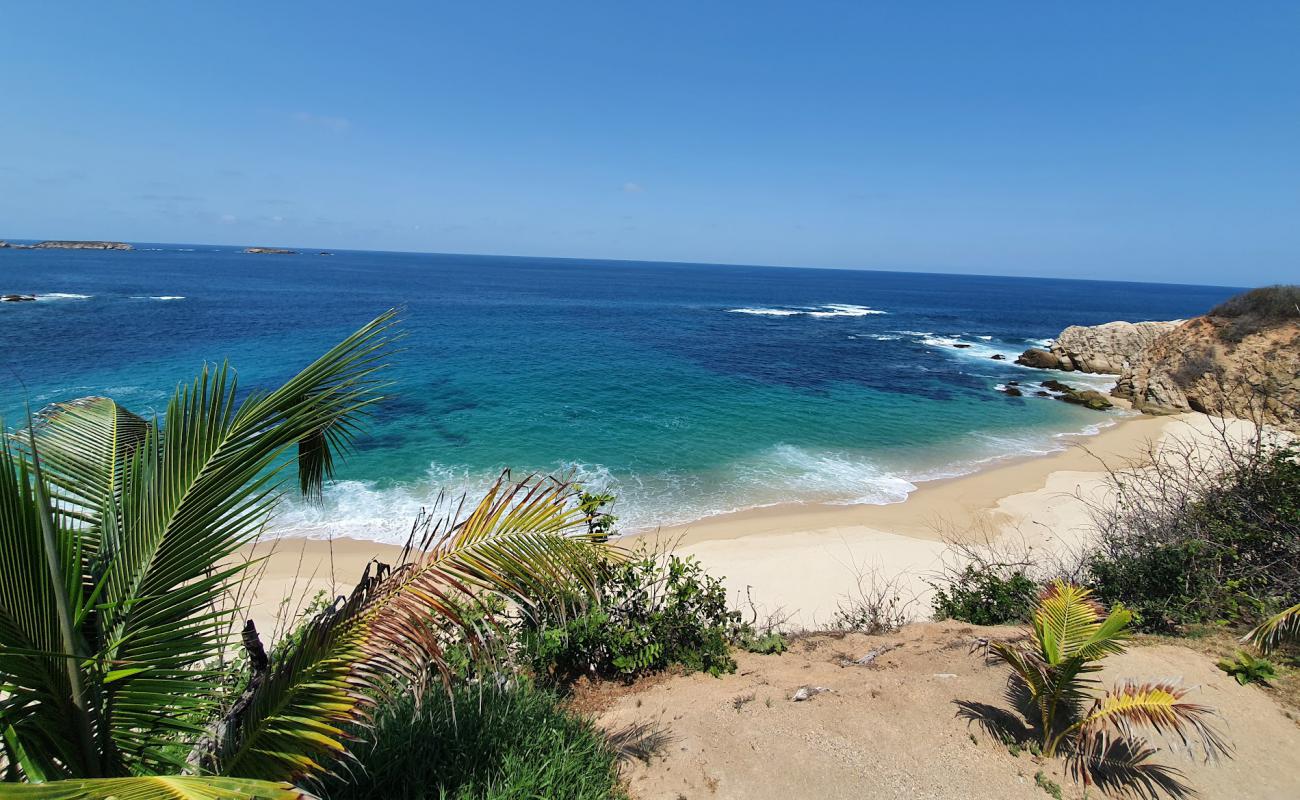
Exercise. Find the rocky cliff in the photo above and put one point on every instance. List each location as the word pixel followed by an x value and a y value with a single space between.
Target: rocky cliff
pixel 1210 364
pixel 1105 349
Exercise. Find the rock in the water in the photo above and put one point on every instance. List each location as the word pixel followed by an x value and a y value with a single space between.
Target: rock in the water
pixel 17 298
pixel 69 245
pixel 1088 398
pixel 961 346
pixel 1012 391
pixel 1040 359
pixel 998 357
pixel 1057 386
pixel 277 251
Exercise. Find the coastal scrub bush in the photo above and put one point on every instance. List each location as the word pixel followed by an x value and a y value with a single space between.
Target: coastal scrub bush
pixel 479 743
pixel 1187 543
pixel 651 612
pixel 984 596
pixel 1253 311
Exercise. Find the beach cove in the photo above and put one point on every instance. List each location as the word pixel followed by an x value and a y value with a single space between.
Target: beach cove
pixel 801 561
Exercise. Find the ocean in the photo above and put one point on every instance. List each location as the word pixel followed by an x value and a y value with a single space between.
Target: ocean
pixel 686 389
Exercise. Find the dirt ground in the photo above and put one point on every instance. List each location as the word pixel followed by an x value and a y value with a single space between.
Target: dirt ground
pixel 895 729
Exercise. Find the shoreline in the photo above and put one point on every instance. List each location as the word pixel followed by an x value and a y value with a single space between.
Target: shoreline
pixel 806 558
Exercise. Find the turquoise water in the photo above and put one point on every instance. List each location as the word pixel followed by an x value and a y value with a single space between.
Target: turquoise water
pixel 688 390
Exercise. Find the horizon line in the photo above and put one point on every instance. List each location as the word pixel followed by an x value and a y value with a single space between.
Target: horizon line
pixel 654 261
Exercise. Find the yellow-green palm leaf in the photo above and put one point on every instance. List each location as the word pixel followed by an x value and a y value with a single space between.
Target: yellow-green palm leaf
pixel 155 788
pixel 1282 628
pixel 1069 623
pixel 524 541
pixel 1159 706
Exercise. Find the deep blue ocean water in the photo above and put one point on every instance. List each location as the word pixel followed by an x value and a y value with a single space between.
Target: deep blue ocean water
pixel 686 389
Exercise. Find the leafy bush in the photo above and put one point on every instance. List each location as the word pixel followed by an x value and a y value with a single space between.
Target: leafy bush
pixel 651 612
pixel 1246 668
pixel 984 596
pixel 479 744
pixel 1212 546
pixel 1257 310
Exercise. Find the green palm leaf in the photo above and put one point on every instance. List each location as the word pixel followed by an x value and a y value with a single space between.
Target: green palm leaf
pixel 143 515
pixel 156 788
pixel 1277 630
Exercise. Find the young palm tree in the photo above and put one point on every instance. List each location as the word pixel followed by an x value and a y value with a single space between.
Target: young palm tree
pixel 1283 628
pixel 116 542
pixel 1071 633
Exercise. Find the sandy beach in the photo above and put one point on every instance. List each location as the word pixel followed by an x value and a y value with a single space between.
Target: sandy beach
pixel 804 560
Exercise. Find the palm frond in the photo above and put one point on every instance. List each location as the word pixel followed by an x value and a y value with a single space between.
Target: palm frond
pixel 131 523
pixel 1159 706
pixel 156 787
pixel 84 445
pixel 523 541
pixel 1282 628
pixel 1068 622
pixel 199 487
pixel 289 721
pixel 1123 767
pixel 42 699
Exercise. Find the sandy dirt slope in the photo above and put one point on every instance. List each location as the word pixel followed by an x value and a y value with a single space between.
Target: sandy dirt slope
pixel 893 730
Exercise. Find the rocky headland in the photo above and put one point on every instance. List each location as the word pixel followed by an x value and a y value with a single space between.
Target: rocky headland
pixel 1242 359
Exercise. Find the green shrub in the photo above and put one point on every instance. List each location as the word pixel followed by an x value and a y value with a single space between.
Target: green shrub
pixel 1221 547
pixel 479 744
pixel 986 595
pixel 652 612
pixel 1249 669
pixel 1257 310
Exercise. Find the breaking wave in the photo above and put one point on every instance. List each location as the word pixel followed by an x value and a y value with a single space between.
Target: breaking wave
pixel 822 311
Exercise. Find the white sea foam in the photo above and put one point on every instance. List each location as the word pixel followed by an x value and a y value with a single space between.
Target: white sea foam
pixel 767 312
pixel 158 297
pixel 822 311
pixel 54 296
pixel 780 474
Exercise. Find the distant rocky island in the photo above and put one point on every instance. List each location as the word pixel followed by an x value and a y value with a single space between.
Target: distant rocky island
pixel 277 251
pixel 69 245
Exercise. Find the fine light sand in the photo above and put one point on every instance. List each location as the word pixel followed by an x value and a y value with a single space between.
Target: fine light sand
pixel 807 559
pixel 896 729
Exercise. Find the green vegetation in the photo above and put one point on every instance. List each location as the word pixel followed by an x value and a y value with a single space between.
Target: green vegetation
pixel 1280 629
pixel 986 594
pixel 1256 310
pixel 1191 546
pixel 1070 633
pixel 649 612
pixel 479 743
pixel 117 635
pixel 1247 668
pixel 1047 784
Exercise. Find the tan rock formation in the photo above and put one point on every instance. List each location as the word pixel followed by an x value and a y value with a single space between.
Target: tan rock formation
pixel 1206 365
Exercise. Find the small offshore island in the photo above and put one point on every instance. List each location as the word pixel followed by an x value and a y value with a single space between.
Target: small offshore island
pixel 69 245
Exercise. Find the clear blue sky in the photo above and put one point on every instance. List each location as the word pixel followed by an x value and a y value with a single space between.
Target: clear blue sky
pixel 1135 140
